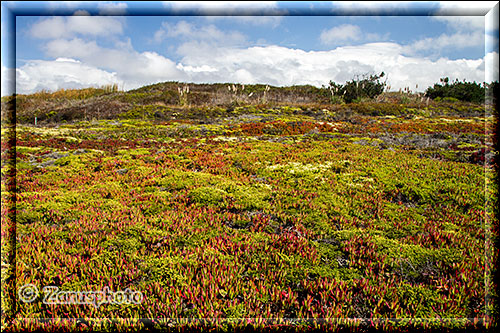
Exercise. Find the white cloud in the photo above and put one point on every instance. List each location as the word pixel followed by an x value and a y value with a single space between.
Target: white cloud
pixel 195 39
pixel 196 69
pixel 283 66
pixel 131 67
pixel 465 31
pixel 256 13
pixel 75 47
pixel 94 25
pixel 210 54
pixel 54 27
pixel 112 8
pixel 346 33
pixel 85 63
pixel 459 15
pixel 66 27
pixel 36 75
pixel 272 65
pixel 340 33
pixel 465 20
pixel 463 23
pixel 207 33
pixel 456 41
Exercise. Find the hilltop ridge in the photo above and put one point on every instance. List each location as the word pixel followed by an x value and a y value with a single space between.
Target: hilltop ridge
pixel 171 100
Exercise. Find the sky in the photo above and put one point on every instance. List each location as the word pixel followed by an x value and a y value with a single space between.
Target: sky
pixel 78 44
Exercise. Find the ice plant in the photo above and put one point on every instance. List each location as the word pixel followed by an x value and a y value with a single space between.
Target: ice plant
pixel 256 220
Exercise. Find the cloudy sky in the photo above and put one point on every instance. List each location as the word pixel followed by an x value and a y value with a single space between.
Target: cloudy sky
pixel 80 44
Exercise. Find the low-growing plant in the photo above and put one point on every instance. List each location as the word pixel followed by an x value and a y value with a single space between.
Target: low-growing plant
pixel 348 216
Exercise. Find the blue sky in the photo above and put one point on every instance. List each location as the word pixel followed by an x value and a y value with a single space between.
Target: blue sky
pixel 79 44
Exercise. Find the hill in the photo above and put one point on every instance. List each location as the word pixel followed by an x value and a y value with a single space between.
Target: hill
pixel 171 100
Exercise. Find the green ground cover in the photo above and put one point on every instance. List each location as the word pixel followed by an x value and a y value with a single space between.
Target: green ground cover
pixel 268 219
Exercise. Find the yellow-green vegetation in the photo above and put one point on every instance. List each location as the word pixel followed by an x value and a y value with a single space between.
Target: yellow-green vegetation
pixel 267 217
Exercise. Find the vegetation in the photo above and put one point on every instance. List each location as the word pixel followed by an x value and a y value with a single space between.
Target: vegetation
pixel 463 91
pixel 356 89
pixel 268 216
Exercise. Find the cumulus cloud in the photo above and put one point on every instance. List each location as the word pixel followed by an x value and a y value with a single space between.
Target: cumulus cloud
pixel 284 66
pixel 127 66
pixel 49 28
pixel 58 47
pixel 198 39
pixel 209 54
pixel 458 41
pixel 462 23
pixel 209 34
pixel 36 75
pixel 112 8
pixel 82 61
pixel 66 27
pixel 273 65
pixel 464 19
pixel 256 13
pixel 346 33
pixel 465 32
pixel 474 24
pixel 340 33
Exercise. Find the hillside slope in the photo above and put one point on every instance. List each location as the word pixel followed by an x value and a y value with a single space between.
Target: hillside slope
pixel 173 100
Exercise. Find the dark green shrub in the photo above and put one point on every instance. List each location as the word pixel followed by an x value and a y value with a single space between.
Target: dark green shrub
pixel 356 89
pixel 463 91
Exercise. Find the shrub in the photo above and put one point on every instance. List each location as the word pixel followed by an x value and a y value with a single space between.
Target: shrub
pixel 356 90
pixel 463 91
